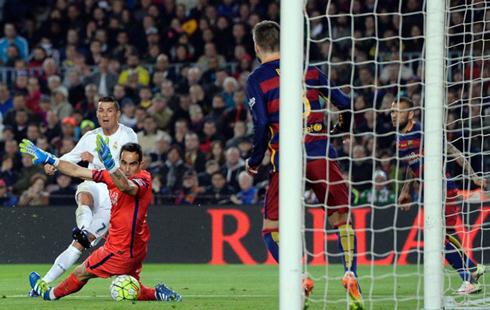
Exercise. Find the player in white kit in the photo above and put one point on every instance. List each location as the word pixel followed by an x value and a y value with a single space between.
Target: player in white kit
pixel 94 204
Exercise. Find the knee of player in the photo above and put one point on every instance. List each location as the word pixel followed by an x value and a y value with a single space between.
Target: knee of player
pixel 85 198
pixel 81 273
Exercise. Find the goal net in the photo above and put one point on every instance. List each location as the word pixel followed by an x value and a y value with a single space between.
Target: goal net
pixel 374 51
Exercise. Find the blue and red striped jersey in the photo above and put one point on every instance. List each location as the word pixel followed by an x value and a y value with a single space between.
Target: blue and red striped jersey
pixel 263 100
pixel 410 147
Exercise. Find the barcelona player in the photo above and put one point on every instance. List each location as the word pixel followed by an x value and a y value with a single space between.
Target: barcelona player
pixel 410 146
pixel 263 98
pixel 126 247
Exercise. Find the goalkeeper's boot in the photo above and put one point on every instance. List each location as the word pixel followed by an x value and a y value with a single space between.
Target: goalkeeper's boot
pixel 82 237
pixel 469 288
pixel 308 286
pixel 352 286
pixel 164 293
pixel 32 293
pixel 40 286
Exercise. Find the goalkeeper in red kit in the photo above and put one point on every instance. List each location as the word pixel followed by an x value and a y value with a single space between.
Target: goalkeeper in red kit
pixel 263 100
pixel 126 247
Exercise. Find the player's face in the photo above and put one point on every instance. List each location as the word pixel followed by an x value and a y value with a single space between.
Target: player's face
pixel 400 115
pixel 130 164
pixel 107 114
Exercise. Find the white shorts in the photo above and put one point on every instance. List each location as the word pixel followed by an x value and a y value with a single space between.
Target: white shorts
pixel 101 212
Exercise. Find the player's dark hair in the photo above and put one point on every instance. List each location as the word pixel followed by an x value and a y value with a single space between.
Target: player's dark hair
pixel 266 35
pixel 110 99
pixel 133 148
pixel 407 101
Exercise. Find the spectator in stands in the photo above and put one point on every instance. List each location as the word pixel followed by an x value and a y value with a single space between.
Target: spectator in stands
pixel 204 178
pixel 210 51
pixel 363 168
pixel 27 171
pixel 21 121
pixel 172 172
pixel 63 195
pixel 61 104
pixel 36 194
pixel 76 91
pixel 161 66
pixel 21 78
pixel 33 95
pixel 12 38
pixel 88 105
pixel 239 133
pixel 189 193
pixel 33 131
pixel 7 198
pixel 52 84
pixel 139 115
pixel 159 156
pixel 128 110
pixel 233 166
pixel 198 97
pixel 13 55
pixel 161 112
pixel 19 103
pixel 239 112
pixel 53 127
pixel 168 92
pixel 6 102
pixel 194 156
pixel 133 65
pixel 248 192
pixel 230 85
pixel 379 196
pixel 7 170
pixel 218 192
pixel 197 118
pixel 150 134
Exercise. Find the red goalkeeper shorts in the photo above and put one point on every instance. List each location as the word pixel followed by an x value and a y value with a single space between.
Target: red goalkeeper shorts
pixel 332 191
pixel 452 209
pixel 105 264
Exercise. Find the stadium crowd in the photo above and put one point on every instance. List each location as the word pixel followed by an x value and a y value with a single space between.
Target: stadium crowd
pixel 178 69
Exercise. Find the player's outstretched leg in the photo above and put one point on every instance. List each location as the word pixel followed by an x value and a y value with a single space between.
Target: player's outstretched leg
pixel 164 293
pixel 40 286
pixel 271 239
pixel 467 269
pixel 352 286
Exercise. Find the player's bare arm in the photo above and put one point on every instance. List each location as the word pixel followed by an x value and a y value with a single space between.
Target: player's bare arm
pixel 87 156
pixel 405 199
pixel 122 183
pixel 465 164
pixel 74 171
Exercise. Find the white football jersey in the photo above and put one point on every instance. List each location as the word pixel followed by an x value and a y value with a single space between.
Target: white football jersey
pixel 88 143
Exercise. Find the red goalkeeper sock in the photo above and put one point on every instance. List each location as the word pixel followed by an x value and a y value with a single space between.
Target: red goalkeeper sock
pixel 69 286
pixel 147 293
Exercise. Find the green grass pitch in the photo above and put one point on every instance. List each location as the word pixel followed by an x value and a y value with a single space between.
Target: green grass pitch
pixel 226 287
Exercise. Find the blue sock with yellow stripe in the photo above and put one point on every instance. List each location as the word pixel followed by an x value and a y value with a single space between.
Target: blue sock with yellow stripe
pixel 271 239
pixel 455 255
pixel 347 242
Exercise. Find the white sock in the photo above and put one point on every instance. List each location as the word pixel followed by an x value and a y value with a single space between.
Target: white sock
pixel 62 263
pixel 84 216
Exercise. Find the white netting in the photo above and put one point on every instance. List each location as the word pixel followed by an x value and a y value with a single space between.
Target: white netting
pixel 374 52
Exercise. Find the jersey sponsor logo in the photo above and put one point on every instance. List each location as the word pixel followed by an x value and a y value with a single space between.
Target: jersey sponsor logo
pixel 251 102
pixel 314 128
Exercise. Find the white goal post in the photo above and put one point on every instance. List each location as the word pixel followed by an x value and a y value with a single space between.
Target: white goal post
pixel 329 27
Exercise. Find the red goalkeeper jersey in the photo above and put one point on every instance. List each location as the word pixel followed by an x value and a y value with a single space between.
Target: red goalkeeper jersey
pixel 128 233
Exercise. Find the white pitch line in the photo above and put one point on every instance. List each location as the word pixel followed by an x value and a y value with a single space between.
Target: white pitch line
pixel 183 296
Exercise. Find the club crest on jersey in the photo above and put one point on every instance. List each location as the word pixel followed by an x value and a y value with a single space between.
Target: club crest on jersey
pixel 114 195
pixel 410 143
pixel 115 145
